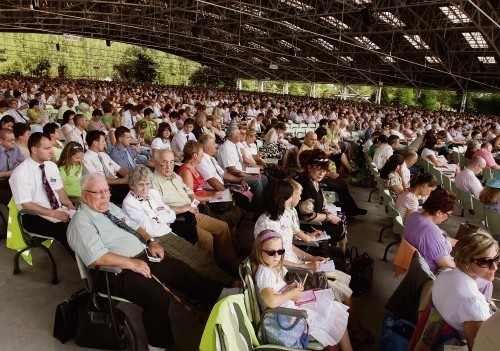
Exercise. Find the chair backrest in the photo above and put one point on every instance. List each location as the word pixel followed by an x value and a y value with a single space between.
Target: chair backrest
pixel 493 222
pixel 466 200
pixel 447 183
pixel 386 195
pixel 437 173
pixel 479 210
pixel 250 296
pixel 487 173
pixel 84 272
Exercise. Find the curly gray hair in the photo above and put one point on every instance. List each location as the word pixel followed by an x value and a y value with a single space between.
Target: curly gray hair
pixel 138 173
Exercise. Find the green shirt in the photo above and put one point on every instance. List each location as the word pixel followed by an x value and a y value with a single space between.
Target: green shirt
pixel 72 180
pixel 174 192
pixel 371 150
pixel 150 132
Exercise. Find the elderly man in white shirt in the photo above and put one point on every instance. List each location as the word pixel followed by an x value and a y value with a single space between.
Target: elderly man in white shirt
pixel 95 160
pixel 467 181
pixel 37 186
pixel 230 158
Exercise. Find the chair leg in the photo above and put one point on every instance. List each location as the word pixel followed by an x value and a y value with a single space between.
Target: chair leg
pixel 382 231
pixel 17 270
pixel 130 334
pixel 55 279
pixel 371 192
pixel 395 242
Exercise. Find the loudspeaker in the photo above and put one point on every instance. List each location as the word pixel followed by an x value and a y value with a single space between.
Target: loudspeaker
pixel 108 43
pixel 57 47
pixel 367 16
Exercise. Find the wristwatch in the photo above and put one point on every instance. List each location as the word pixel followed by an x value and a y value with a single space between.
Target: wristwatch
pixel 149 241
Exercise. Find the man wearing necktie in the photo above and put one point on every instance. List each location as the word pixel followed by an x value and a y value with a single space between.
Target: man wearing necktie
pixel 37 186
pixel 79 133
pixel 124 154
pixel 10 158
pixel 182 137
pixel 95 160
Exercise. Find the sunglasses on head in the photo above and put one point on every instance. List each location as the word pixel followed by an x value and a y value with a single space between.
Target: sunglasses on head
pixel 272 253
pixel 320 160
pixel 486 262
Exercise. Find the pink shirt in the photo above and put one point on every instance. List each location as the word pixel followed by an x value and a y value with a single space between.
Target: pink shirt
pixel 488 157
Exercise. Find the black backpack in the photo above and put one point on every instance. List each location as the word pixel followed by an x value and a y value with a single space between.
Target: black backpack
pixel 361 272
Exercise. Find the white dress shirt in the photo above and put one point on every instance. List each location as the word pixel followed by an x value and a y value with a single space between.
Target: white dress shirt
pixel 18 116
pixel 151 214
pixel 229 156
pixel 382 153
pixel 179 140
pixel 92 164
pixel 79 136
pixel 27 186
pixel 209 168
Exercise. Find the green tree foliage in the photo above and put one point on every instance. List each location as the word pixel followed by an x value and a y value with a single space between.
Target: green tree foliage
pixel 428 99
pixel 62 70
pixel 137 66
pixel 42 68
pixel 404 96
pixel 211 78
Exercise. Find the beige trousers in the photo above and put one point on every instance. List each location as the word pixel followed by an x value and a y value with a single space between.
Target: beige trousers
pixel 213 231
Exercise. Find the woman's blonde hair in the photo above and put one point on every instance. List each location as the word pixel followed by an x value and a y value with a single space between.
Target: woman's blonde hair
pixel 296 186
pixel 190 148
pixel 471 245
pixel 489 196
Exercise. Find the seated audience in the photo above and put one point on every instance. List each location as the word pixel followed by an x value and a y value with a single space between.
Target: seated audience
pixel 53 131
pixel 277 135
pixel 490 195
pixel 10 157
pixel 421 186
pixel 422 231
pixel 150 132
pixel 70 169
pixel 37 186
pixel 96 123
pixel 95 160
pixel 79 133
pixel 179 197
pixel 485 152
pixel 467 179
pixel 385 150
pixel 68 123
pixel 455 293
pixel 124 154
pixel 100 236
pixel 392 177
pixel 22 132
pixel 7 122
pixel 162 138
pixel 145 206
pixel 472 147
pixel 182 136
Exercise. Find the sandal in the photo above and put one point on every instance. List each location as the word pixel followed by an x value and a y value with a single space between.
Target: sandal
pixel 362 335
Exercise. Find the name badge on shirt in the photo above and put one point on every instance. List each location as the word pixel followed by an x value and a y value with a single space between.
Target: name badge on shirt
pixel 53 180
pixel 161 208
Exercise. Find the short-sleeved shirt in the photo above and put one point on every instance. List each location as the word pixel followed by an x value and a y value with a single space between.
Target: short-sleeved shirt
pixel 174 192
pixel 78 136
pixel 229 156
pixel 427 238
pixel 151 213
pixel 488 157
pixel 179 140
pixel 92 164
pixel 159 143
pixel 458 300
pixel 10 158
pixel 392 180
pixel 381 155
pixel 209 168
pixel 72 180
pixel 27 186
pixel 467 181
pixel 92 235
pixel 406 201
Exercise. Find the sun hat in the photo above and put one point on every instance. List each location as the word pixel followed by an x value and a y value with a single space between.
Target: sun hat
pixel 495 181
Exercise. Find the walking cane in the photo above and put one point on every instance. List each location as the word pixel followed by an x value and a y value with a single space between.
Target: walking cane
pixel 179 301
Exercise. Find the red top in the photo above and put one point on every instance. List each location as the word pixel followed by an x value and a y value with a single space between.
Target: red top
pixel 198 182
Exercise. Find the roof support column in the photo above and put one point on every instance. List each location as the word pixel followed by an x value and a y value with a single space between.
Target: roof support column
pixel 239 84
pixel 260 86
pixel 343 94
pixel 312 90
pixel 378 95
pixel 464 100
pixel 286 86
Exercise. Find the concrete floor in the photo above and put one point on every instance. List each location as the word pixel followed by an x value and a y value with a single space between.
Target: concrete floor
pixel 29 300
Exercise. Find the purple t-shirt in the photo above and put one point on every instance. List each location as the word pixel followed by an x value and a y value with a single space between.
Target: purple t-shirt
pixel 427 238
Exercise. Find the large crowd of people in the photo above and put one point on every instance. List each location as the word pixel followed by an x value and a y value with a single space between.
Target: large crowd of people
pixel 176 169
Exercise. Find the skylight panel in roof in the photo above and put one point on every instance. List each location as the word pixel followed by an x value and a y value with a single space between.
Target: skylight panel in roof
pixel 433 59
pixel 291 26
pixel 475 40
pixel 455 14
pixel 312 58
pixel 416 41
pixel 390 19
pixel 297 4
pixel 367 43
pixel 256 59
pixel 254 29
pixel 287 45
pixel 335 22
pixel 360 2
pixel 247 9
pixel 232 48
pixel 487 59
pixel 324 44
pixel 389 59
pixel 346 58
pixel 258 46
pixel 283 59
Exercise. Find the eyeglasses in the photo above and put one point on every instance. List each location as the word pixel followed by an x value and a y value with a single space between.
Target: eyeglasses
pixel 142 186
pixel 272 253
pixel 448 214
pixel 100 192
pixel 10 140
pixel 486 262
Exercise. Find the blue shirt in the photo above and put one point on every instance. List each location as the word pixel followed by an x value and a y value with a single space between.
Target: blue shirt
pixel 10 159
pixel 126 157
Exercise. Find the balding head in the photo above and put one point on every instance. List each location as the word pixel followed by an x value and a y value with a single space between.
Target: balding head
pixel 164 162
pixel 477 164
pixel 310 139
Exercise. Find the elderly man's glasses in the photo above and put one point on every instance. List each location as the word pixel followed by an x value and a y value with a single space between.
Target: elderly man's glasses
pixel 486 262
pixel 102 192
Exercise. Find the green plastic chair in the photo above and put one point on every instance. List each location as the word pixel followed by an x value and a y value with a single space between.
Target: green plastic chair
pixel 466 201
pixel 493 221
pixel 479 210
pixel 447 183
pixel 398 229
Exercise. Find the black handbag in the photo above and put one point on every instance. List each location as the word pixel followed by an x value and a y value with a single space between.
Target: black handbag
pixel 101 328
pixel 221 207
pixel 66 318
pixel 361 272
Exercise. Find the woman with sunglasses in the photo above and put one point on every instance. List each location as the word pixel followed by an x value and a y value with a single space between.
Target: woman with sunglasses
pixel 423 233
pixel 455 293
